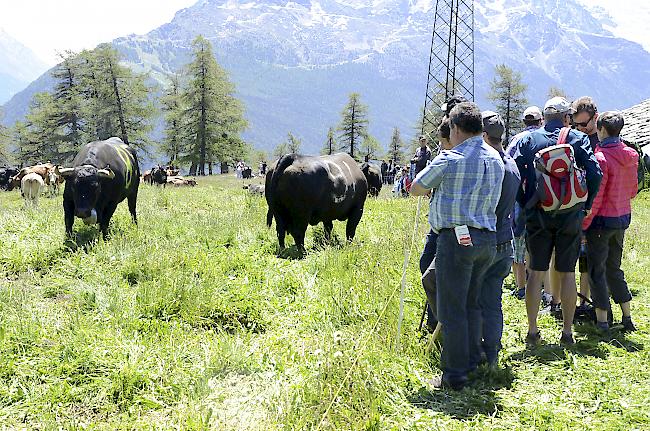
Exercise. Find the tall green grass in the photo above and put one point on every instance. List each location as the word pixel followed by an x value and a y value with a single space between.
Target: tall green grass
pixel 191 321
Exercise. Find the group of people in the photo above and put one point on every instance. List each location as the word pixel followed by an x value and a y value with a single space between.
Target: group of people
pixel 562 185
pixel 402 177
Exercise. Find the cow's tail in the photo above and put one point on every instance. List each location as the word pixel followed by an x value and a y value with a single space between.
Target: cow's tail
pixel 283 163
pixel 269 217
pixel 271 188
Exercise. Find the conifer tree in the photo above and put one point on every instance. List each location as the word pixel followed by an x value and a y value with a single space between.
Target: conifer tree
pixel 118 103
pixel 370 148
pixel 281 149
pixel 172 106
pixel 69 103
pixel 330 145
pixel 293 143
pixel 5 153
pixel 554 91
pixel 214 118
pixel 40 134
pixel 396 147
pixel 509 95
pixel 354 125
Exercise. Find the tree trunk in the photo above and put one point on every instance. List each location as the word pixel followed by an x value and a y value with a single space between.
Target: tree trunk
pixel 120 111
pixel 209 168
pixel 193 168
pixel 203 125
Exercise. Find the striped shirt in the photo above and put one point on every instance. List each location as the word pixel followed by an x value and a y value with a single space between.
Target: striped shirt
pixel 467 181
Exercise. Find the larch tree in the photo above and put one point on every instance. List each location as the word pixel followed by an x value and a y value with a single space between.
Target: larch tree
pixel 509 96
pixel 396 147
pixel 370 148
pixel 172 107
pixel 330 143
pixel 213 117
pixel 554 91
pixel 293 143
pixel 354 125
pixel 281 149
pixel 119 103
pixel 40 134
pixel 69 104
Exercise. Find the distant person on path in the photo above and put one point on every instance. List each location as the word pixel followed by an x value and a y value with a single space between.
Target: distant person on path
pixel 610 217
pixel 499 269
pixel 422 155
pixel 585 116
pixel 467 182
pixel 384 171
pixel 548 231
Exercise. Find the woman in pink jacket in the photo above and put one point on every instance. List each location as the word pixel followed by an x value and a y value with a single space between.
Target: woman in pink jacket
pixel 609 217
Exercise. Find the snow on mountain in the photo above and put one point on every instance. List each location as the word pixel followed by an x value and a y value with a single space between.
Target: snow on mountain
pixel 294 62
pixel 18 66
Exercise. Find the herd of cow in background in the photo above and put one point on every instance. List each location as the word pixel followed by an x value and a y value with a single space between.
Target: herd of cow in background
pixel 300 190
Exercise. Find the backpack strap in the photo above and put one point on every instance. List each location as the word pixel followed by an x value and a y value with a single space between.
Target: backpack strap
pixel 564 133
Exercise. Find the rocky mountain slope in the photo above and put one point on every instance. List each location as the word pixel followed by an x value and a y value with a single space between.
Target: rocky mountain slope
pixel 295 62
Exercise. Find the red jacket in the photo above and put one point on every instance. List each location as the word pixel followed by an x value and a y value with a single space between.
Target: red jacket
pixel 612 208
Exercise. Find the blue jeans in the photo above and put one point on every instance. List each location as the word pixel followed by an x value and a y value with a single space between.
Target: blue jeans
pixel 426 259
pixel 490 301
pixel 459 276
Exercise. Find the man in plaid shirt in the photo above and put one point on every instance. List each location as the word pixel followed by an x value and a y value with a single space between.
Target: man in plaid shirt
pixel 467 180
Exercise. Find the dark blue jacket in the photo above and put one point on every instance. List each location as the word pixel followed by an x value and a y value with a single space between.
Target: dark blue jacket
pixel 539 139
pixel 505 207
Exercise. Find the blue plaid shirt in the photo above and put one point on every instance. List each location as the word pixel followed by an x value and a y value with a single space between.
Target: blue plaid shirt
pixel 467 180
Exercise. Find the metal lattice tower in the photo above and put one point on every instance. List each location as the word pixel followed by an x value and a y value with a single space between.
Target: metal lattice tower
pixel 451 62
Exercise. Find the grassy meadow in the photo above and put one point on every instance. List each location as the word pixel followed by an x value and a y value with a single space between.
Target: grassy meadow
pixel 190 321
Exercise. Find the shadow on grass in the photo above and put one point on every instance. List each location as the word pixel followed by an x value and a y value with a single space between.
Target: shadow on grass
pixel 85 238
pixel 551 353
pixel 291 253
pixel 478 398
pixel 617 337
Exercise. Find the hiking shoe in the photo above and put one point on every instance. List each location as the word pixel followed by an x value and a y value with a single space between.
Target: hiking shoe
pixel 566 339
pixel 556 311
pixel 628 325
pixel 519 293
pixel 547 299
pixel 533 340
pixel 603 330
pixel 439 382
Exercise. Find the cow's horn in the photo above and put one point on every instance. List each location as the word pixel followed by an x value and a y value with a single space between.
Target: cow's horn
pixel 106 173
pixel 65 172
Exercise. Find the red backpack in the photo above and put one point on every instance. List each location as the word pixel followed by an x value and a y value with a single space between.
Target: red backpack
pixel 561 185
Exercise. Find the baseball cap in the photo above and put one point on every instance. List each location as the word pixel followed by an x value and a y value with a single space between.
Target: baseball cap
pixel 532 113
pixel 493 124
pixel 557 105
pixel 451 102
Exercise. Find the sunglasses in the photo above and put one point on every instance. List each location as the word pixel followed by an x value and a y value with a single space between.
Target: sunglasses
pixel 584 123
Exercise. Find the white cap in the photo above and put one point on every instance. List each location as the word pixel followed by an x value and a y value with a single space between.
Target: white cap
pixel 532 113
pixel 557 105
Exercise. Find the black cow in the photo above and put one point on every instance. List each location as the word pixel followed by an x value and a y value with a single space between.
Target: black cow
pixel 159 175
pixel 6 174
pixel 247 173
pixel 306 190
pixel 104 173
pixel 373 175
